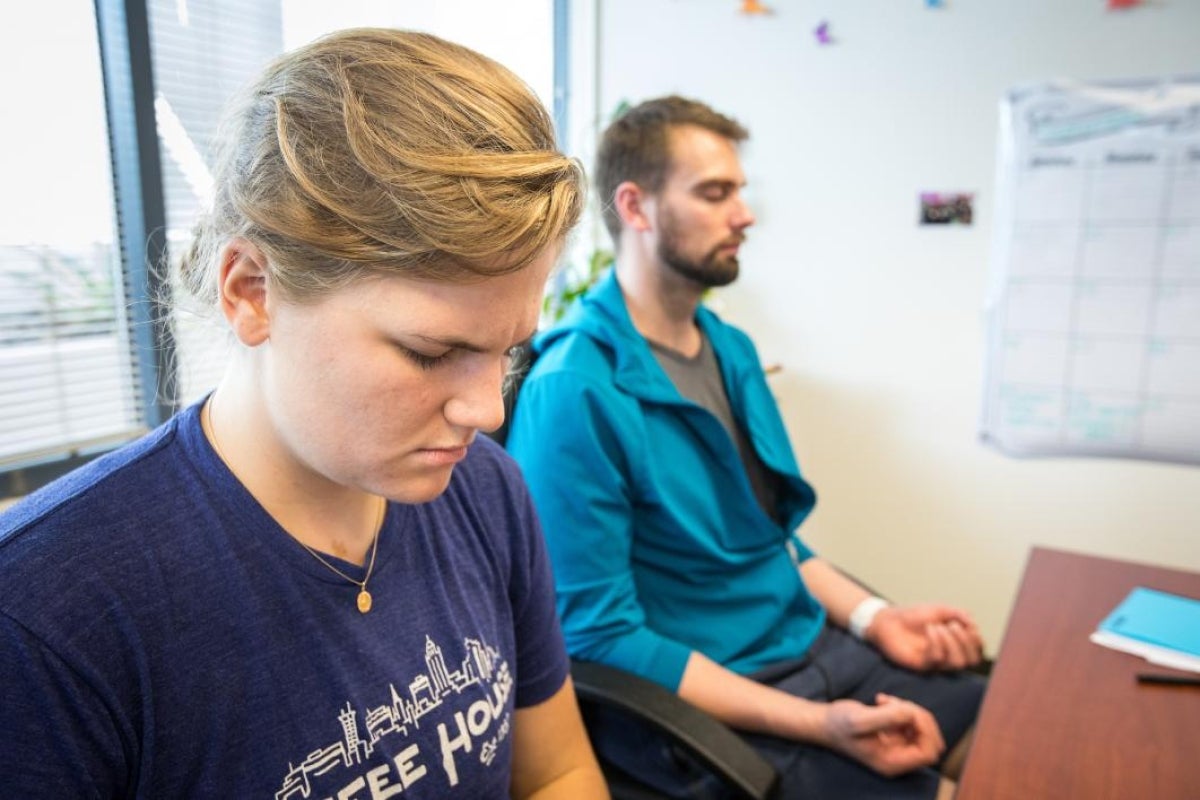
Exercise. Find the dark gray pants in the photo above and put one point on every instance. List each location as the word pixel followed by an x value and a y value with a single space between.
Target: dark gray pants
pixel 837 666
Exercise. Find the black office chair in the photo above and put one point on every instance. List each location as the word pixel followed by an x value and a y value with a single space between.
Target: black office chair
pixel 599 687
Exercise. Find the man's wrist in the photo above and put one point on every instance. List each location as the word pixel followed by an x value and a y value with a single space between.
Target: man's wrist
pixel 864 614
pixel 800 719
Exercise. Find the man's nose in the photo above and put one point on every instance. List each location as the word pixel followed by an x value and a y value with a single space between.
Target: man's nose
pixel 743 216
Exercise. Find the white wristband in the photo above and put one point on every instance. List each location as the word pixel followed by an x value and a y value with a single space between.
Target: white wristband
pixel 864 614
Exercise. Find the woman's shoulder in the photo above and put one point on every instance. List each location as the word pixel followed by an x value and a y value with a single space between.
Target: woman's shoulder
pixel 108 485
pixel 77 546
pixel 98 519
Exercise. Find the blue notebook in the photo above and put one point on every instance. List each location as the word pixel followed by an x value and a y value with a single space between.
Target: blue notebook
pixel 1163 628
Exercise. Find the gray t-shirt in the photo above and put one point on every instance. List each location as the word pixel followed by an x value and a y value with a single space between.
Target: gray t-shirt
pixel 699 380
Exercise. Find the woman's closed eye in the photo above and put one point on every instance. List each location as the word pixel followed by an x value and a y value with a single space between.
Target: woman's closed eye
pixel 425 360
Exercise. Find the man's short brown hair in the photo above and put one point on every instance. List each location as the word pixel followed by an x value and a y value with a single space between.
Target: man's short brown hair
pixel 636 147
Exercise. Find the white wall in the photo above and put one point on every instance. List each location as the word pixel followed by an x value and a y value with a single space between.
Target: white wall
pixel 517 33
pixel 877 321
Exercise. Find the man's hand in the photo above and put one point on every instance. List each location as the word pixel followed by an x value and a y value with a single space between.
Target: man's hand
pixel 893 737
pixel 926 637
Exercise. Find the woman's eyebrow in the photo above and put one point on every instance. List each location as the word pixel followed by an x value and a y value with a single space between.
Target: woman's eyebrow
pixel 457 343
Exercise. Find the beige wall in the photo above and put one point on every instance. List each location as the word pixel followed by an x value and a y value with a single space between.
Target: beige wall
pixel 877 322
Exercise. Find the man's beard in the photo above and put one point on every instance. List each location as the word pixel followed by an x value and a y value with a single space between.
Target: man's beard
pixel 711 270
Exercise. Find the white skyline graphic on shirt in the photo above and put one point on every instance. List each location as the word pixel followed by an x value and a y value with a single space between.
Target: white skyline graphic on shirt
pixel 425 693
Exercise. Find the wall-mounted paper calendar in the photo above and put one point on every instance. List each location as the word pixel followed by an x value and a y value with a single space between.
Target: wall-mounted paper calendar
pixel 1093 323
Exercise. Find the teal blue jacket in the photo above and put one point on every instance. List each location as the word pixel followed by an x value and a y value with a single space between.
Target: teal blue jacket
pixel 658 544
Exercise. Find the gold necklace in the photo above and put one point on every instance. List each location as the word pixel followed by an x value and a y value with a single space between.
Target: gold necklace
pixel 363 601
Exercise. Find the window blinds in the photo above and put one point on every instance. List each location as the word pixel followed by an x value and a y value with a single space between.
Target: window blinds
pixel 67 379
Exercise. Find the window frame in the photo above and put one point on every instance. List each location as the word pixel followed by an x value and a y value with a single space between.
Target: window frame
pixel 123 30
pixel 125 59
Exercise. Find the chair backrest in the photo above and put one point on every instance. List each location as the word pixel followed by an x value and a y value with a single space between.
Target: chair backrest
pixel 743 772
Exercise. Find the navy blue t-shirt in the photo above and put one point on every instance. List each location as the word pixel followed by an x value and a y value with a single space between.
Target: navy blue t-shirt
pixel 161 636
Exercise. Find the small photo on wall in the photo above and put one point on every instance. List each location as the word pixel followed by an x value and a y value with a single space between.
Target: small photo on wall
pixel 945 208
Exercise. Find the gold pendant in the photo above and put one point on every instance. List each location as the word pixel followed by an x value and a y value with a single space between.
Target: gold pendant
pixel 364 601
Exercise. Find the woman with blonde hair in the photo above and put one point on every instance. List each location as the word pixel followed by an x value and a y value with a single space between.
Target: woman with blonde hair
pixel 319 581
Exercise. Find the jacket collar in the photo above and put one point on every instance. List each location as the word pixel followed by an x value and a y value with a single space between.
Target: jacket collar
pixel 603 316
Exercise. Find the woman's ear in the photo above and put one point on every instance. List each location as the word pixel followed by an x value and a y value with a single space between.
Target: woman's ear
pixel 242 291
pixel 630 202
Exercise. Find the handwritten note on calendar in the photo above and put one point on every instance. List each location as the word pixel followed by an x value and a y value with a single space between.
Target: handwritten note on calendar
pixel 1093 312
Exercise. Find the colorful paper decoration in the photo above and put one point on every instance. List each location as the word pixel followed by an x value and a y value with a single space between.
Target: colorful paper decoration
pixel 822 33
pixel 754 7
pixel 1117 5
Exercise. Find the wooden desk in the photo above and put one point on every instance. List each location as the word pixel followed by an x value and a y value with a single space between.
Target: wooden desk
pixel 1064 718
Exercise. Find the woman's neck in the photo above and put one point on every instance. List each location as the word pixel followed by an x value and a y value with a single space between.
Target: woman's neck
pixel 331 518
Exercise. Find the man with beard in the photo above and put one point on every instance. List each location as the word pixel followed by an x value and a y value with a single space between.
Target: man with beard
pixel 671 499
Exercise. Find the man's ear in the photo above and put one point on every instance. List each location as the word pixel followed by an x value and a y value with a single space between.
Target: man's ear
pixel 631 204
pixel 242 291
